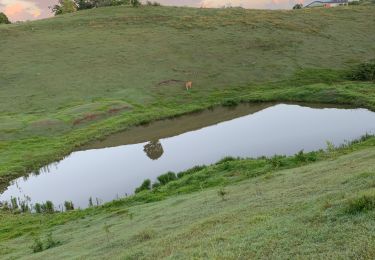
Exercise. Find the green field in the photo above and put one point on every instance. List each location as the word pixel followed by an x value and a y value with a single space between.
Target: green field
pixel 75 78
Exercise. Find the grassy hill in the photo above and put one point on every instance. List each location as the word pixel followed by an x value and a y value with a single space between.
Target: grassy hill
pixel 75 78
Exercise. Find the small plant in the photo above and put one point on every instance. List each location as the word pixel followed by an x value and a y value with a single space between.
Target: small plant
pixel 226 159
pixel 146 185
pixel 167 177
pixel 191 171
pixel 222 193
pixel 301 156
pixel 37 246
pixel 50 243
pixel 68 205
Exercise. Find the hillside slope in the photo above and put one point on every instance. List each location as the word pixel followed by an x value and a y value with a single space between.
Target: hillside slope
pixel 320 210
pixel 74 78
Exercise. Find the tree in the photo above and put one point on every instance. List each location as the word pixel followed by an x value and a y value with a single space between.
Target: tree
pixel 64 7
pixel 297 6
pixel 154 150
pixel 4 19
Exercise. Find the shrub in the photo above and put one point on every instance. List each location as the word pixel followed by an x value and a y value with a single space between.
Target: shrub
pixel 4 19
pixel 364 72
pixel 167 177
pixel 361 204
pixel 146 185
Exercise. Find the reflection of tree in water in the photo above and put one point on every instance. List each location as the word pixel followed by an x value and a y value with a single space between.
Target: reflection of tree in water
pixel 154 150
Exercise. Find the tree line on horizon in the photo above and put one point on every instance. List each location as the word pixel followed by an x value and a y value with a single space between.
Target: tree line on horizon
pixel 70 6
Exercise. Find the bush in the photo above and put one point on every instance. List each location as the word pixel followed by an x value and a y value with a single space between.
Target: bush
pixel 4 19
pixel 146 185
pixel 64 7
pixel 167 177
pixel 364 72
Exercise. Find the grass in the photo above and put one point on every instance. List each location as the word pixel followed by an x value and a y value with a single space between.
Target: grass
pixel 79 77
pixel 237 208
pixel 75 78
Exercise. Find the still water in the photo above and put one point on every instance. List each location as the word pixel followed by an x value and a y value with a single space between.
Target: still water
pixel 116 166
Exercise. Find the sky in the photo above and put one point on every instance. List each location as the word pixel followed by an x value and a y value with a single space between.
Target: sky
pixel 21 10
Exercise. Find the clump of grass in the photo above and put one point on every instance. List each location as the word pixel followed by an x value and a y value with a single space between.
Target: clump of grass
pixel 146 185
pixel 360 204
pixel 364 72
pixel 37 246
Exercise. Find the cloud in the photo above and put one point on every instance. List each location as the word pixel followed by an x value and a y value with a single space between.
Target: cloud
pixel 20 9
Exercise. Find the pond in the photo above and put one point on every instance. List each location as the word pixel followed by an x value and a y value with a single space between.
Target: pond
pixel 117 165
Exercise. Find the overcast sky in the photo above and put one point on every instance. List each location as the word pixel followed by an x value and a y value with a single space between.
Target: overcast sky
pixel 20 10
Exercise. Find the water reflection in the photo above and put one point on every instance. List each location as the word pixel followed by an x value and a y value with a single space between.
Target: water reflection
pixel 119 164
pixel 154 150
